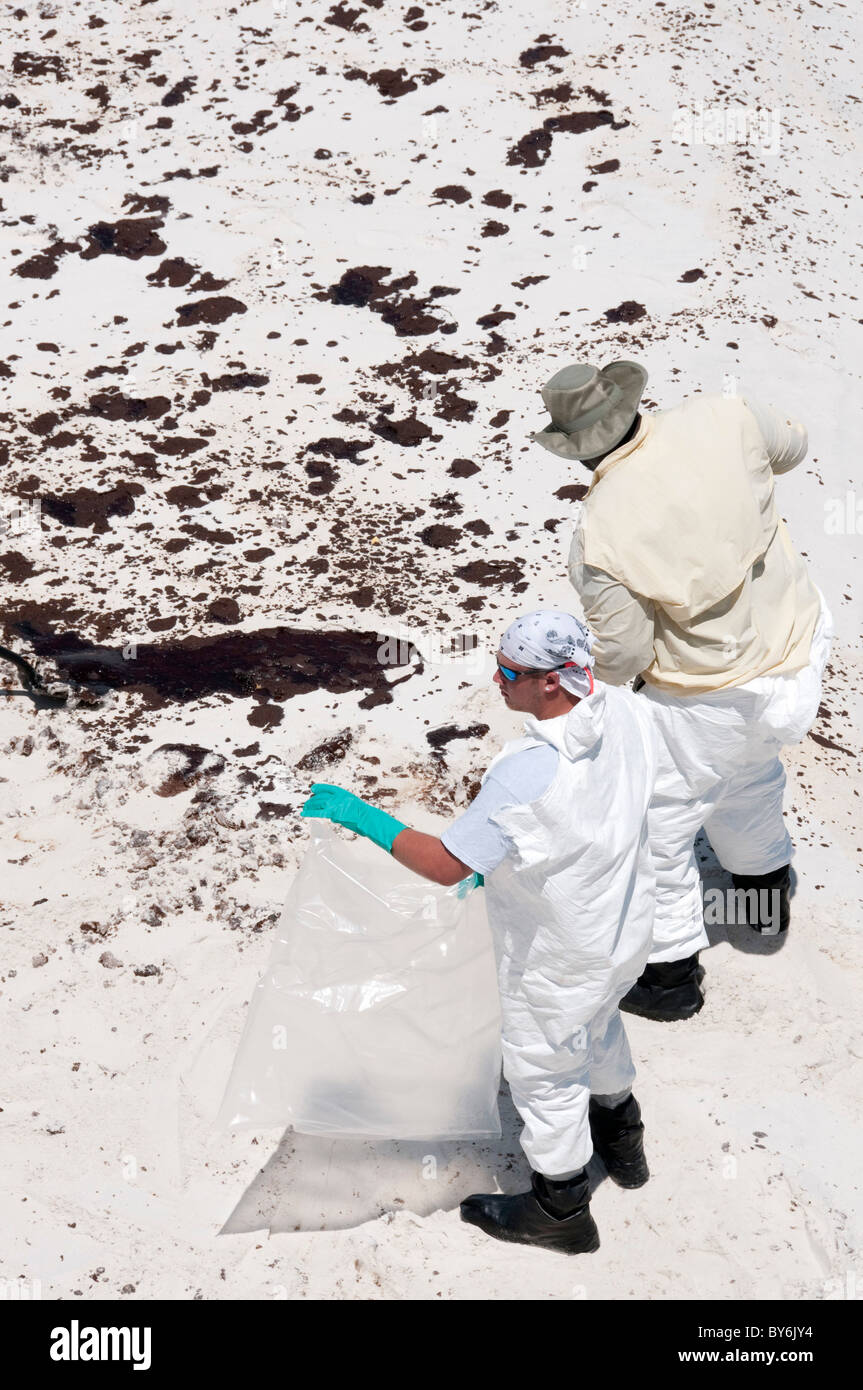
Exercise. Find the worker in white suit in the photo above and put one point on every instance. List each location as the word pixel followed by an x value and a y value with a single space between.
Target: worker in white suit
pixel 689 579
pixel 559 832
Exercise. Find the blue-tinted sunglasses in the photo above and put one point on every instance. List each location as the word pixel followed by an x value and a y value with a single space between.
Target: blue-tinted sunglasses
pixel 510 675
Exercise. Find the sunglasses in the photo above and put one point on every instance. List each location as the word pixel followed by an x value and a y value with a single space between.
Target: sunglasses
pixel 510 675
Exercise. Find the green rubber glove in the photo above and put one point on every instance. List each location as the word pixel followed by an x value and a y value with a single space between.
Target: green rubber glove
pixel 343 807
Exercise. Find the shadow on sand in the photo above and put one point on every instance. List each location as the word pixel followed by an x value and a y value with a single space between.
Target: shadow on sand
pixel 740 938
pixel 312 1183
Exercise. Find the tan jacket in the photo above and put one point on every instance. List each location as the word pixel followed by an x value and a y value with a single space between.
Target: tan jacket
pixel 684 567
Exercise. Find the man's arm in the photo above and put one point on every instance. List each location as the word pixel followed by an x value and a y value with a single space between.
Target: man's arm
pixel 428 856
pixel 786 440
pixel 425 854
pixel 622 621
pixel 480 845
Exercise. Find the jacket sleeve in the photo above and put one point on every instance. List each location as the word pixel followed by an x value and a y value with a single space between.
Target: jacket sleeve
pixel 786 439
pixel 621 621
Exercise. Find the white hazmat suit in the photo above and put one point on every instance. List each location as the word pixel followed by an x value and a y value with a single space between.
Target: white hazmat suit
pixel 571 909
pixel 719 768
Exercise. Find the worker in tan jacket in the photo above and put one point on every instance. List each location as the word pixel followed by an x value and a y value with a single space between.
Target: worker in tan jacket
pixel 690 582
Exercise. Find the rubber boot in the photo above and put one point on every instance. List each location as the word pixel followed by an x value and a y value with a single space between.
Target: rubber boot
pixel 768 910
pixel 618 1138
pixel 553 1215
pixel 666 992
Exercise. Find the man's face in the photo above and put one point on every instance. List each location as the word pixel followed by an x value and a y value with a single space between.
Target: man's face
pixel 530 693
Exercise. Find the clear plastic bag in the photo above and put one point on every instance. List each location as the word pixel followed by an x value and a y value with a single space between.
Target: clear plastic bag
pixel 378 1014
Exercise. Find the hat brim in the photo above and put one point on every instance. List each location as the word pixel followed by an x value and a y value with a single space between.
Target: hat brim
pixel 602 435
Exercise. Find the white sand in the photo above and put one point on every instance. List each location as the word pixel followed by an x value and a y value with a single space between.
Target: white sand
pixel 112 1177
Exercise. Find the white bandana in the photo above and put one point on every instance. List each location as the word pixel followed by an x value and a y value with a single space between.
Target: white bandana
pixel 547 638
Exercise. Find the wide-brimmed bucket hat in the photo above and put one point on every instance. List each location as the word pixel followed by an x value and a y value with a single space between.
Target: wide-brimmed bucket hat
pixel 591 408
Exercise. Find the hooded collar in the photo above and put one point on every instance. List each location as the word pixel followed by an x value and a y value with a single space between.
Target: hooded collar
pixel 617 455
pixel 573 734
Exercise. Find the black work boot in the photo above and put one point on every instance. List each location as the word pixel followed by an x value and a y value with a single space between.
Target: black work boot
pixel 763 901
pixel 666 992
pixel 553 1215
pixel 618 1138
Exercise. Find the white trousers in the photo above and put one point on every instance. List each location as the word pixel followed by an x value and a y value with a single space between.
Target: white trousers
pixel 720 769
pixel 551 1086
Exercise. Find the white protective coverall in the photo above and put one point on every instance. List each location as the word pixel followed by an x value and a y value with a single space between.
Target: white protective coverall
pixel 720 768
pixel 571 912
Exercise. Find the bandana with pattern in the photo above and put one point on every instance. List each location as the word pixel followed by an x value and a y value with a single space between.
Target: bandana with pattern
pixel 548 637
